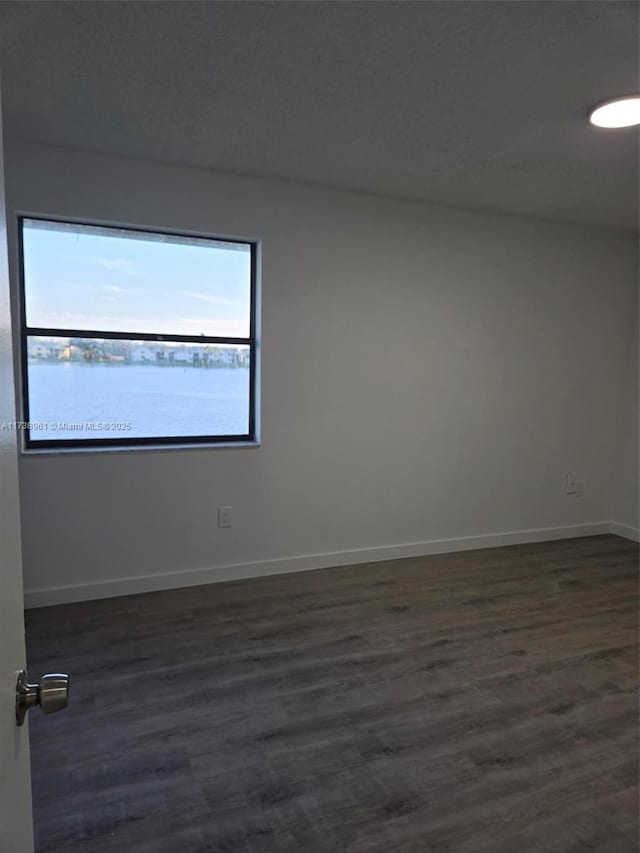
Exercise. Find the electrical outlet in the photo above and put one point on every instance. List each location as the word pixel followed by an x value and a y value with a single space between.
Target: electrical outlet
pixel 224 516
pixel 571 484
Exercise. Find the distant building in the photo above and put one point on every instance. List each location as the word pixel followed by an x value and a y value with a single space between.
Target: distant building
pixel 204 355
pixel 143 354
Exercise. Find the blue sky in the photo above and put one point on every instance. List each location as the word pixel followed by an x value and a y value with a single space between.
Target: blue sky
pixel 92 279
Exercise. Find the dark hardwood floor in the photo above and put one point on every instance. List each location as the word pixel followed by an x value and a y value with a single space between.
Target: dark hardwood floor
pixel 482 702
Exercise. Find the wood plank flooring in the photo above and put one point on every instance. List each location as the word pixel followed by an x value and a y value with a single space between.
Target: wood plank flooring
pixel 482 702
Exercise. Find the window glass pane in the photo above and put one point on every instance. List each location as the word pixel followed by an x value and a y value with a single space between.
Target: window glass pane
pixel 94 388
pixel 109 279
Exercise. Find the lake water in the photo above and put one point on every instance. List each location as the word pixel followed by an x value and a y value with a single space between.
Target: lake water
pixel 68 399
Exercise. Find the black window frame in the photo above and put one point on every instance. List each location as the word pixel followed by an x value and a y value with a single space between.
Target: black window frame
pixel 133 442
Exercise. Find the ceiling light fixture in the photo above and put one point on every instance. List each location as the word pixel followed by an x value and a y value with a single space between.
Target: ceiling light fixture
pixel 620 112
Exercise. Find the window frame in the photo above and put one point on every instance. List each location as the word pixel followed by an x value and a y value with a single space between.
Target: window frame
pixel 135 442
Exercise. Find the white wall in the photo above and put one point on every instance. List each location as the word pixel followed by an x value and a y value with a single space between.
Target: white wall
pixel 428 374
pixel 624 499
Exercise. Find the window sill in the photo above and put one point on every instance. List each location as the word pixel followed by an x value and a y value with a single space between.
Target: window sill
pixel 140 448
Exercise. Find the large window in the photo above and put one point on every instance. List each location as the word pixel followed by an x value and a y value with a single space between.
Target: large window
pixel 133 338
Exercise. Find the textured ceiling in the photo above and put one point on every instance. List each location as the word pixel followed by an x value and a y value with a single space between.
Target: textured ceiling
pixel 477 104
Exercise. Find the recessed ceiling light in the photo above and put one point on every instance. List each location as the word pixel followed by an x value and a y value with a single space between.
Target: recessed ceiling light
pixel 621 112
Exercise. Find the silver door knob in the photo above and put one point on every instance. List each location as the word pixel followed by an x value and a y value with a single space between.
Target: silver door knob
pixel 51 694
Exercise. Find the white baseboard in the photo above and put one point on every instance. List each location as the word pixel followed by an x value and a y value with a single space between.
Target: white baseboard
pixel 624 530
pixel 46 596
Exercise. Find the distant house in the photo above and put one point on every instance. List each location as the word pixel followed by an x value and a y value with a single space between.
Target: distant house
pixel 196 356
pixel 56 350
pixel 182 355
pixel 143 355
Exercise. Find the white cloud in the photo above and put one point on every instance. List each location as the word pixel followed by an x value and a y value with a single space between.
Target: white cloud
pixel 121 265
pixel 205 297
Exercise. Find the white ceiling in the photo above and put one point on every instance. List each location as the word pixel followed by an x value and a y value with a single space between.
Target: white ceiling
pixel 478 104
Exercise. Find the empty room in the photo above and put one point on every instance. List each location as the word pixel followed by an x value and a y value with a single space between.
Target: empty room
pixel 319 464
